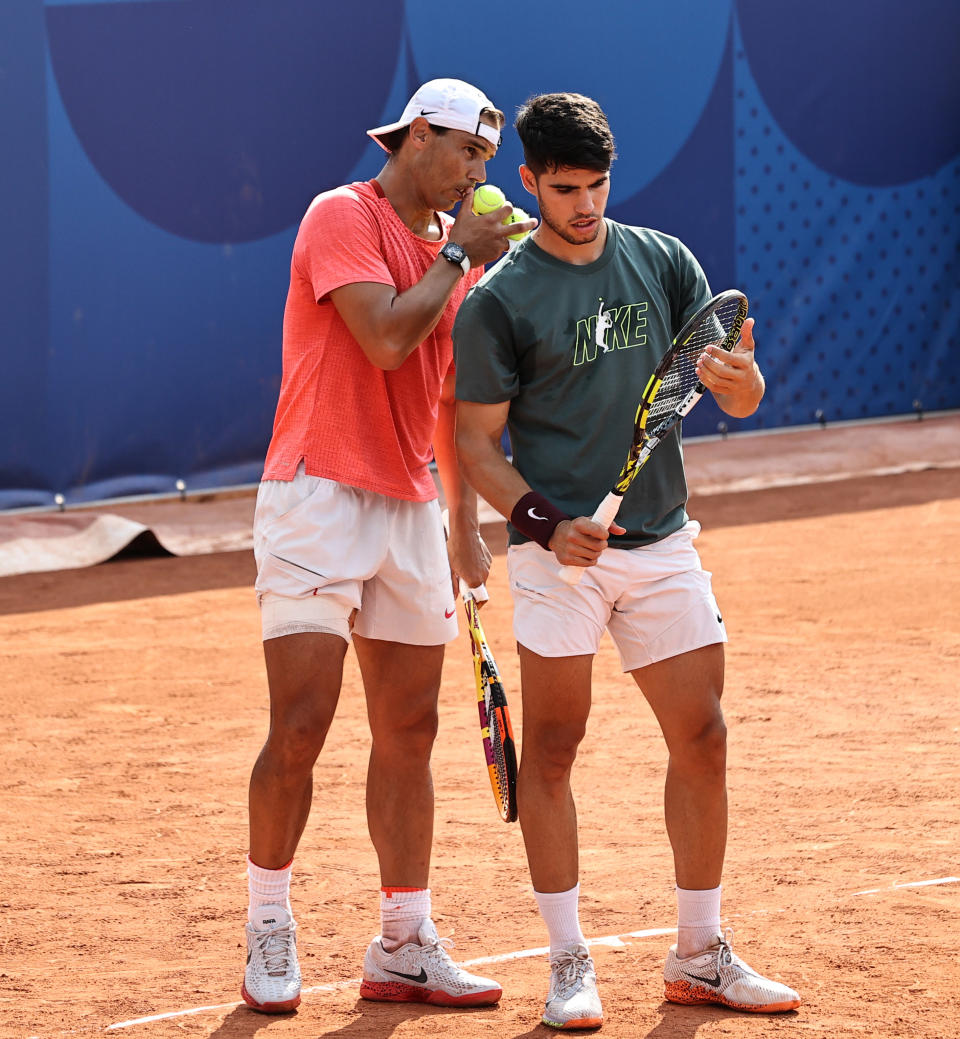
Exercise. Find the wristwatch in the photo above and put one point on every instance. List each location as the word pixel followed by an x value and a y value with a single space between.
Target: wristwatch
pixel 456 254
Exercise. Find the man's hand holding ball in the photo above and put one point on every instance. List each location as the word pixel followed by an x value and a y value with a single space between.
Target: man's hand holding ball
pixel 488 197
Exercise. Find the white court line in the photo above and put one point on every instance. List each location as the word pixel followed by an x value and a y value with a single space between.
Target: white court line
pixel 613 940
pixel 216 1006
pixel 912 883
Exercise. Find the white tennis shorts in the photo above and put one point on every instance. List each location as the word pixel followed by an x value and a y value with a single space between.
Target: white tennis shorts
pixel 336 558
pixel 656 602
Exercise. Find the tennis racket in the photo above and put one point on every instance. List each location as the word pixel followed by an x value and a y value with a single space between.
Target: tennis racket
pixel 495 728
pixel 671 394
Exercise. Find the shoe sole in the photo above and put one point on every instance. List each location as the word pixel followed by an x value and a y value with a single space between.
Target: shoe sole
pixel 578 1023
pixel 692 995
pixel 397 992
pixel 283 1007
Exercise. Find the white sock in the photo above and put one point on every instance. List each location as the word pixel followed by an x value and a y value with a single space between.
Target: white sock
pixel 560 912
pixel 268 887
pixel 403 911
pixel 698 920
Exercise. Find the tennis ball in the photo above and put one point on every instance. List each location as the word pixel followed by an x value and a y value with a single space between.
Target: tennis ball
pixel 518 216
pixel 487 198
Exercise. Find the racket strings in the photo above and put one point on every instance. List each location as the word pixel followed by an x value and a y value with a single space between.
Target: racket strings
pixel 681 375
pixel 678 381
pixel 495 727
pixel 502 791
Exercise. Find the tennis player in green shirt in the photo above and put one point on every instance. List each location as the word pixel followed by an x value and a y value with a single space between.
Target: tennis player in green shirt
pixel 553 345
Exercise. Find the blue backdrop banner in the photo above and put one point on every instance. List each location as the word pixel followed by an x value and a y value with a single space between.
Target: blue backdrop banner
pixel 160 153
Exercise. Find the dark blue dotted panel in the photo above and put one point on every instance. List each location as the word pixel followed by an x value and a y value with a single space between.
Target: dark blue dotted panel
pixel 855 289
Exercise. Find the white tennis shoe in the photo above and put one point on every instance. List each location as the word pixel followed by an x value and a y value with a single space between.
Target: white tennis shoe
pixel 423 973
pixel 271 981
pixel 573 1000
pixel 716 975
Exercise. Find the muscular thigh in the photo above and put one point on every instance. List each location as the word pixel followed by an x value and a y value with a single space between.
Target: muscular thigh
pixel 556 697
pixel 401 683
pixel 304 673
pixel 684 692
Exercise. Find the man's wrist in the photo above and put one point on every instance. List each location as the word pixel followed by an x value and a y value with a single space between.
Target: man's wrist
pixel 537 517
pixel 455 253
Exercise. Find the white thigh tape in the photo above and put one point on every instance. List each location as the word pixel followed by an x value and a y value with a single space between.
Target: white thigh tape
pixel 281 616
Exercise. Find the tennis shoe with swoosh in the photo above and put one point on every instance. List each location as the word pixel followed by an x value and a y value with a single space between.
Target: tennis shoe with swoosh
pixel 271 981
pixel 573 1000
pixel 717 975
pixel 423 973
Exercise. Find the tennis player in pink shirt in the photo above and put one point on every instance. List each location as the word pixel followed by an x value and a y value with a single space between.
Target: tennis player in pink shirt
pixel 348 535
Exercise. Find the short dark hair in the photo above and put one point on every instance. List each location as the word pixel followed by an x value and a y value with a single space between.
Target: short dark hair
pixel 565 131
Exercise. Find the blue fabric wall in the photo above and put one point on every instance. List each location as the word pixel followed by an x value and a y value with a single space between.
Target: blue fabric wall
pixel 157 156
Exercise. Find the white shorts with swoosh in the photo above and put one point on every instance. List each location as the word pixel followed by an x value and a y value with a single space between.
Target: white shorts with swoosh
pixel 656 601
pixel 325 549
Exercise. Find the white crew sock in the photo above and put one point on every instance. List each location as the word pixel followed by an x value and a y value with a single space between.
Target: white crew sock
pixel 403 911
pixel 268 887
pixel 698 920
pixel 560 912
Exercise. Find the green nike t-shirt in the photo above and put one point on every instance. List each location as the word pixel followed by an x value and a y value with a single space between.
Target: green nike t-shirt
pixel 571 348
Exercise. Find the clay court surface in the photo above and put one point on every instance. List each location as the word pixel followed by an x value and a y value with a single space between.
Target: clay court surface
pixel 134 703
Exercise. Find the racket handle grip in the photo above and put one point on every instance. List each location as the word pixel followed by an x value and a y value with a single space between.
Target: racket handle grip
pixel 605 515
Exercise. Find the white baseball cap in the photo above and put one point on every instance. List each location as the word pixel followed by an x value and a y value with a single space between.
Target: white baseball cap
pixel 446 102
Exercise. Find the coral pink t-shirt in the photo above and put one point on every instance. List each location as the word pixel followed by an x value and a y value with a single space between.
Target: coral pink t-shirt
pixel 346 419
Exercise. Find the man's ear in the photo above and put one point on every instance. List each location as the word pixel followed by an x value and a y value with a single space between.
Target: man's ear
pixel 419 131
pixel 528 179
